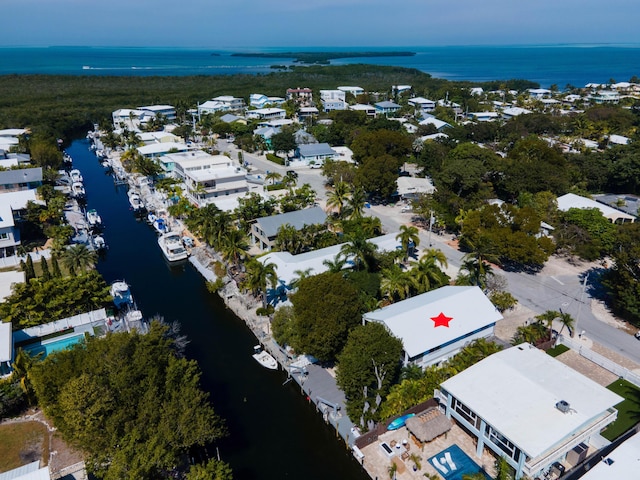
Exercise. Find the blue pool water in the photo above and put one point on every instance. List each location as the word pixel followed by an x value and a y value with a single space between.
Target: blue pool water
pixel 55 344
pixel 453 463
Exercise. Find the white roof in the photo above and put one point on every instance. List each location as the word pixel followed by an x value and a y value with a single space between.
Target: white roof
pixel 6 216
pixel 571 200
pixel 12 132
pixel 156 136
pixel 515 111
pixel 156 108
pixel 361 106
pixel 516 391
pixel 30 471
pixel 621 463
pixel 421 100
pixel 287 264
pixel 155 148
pixel 6 341
pixel 427 321
pixel 435 122
pixel 413 185
pixel 18 200
pixel 619 139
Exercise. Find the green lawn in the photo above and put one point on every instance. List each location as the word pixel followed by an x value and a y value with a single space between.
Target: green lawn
pixel 628 409
pixel 557 350
pixel 22 443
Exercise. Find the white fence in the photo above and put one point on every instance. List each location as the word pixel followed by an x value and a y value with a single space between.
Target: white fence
pixel 598 359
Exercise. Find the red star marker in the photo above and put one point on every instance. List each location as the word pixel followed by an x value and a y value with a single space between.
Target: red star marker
pixel 441 320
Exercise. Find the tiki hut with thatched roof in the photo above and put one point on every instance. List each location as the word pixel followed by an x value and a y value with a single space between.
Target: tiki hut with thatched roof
pixel 428 425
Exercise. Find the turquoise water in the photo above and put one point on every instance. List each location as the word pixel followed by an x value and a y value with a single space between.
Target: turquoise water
pixel 55 344
pixel 460 464
pixel 545 64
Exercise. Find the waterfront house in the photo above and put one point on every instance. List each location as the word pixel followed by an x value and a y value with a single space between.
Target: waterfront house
pixel 264 230
pixel 571 200
pixel 20 179
pixel 148 138
pixel 155 150
pixel 130 118
pixel 288 266
pixel 539 93
pixel 168 161
pixel 611 97
pixel 355 91
pixel 528 408
pixel 167 111
pixel 212 179
pixel 387 107
pixel 315 153
pixel 436 325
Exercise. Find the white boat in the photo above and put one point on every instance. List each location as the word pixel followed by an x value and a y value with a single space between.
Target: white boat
pixel 98 243
pixel 121 294
pixel 160 225
pixel 75 175
pixel 264 358
pixel 93 218
pixel 172 248
pixel 135 201
pixel 77 190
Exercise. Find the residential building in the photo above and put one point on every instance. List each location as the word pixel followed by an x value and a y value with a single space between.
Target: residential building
pixel 6 348
pixel 355 91
pixel 231 118
pixel 304 138
pixel 315 153
pixel 288 266
pixel 266 133
pixel 30 471
pixel 439 124
pixel 539 93
pixel 343 154
pixel 9 234
pixel 571 200
pixel 305 113
pixel 155 150
pixel 20 179
pixel 231 103
pixel 528 407
pixel 400 89
pixel 264 230
pixel 332 95
pixel 168 161
pixel 618 140
pixel 511 112
pixel 258 100
pixel 436 325
pixel 330 105
pixel 212 179
pixel 167 111
pixel 605 96
pixel 149 138
pixel 484 116
pixel 387 107
pixel 423 104
pixel 10 160
pixel 369 110
pixel 476 91
pixel 130 118
pixel 302 96
pixel 410 188
pixel 621 463
pixel 266 113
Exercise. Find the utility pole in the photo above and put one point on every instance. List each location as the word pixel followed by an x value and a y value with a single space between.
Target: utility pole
pixel 584 287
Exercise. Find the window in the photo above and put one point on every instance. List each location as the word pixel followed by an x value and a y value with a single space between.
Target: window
pixel 466 413
pixel 4 236
pixel 502 442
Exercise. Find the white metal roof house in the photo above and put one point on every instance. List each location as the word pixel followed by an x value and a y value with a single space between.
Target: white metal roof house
pixel 167 111
pixel 423 104
pixel 315 153
pixel 510 112
pixel 409 188
pixel 571 200
pixel 264 230
pixel 605 96
pixel 483 116
pixel 355 91
pixel 439 124
pixel 266 113
pixel 287 265
pixel 434 326
pixel 159 149
pixel 539 93
pixel 370 110
pixel 528 407
pixel 621 463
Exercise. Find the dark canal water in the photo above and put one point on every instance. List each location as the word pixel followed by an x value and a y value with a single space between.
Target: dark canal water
pixel 274 432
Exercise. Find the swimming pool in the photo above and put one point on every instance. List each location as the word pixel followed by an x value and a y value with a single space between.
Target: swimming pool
pixel 453 463
pixel 54 344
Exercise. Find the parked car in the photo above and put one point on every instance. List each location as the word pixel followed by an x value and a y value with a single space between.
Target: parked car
pixel 637 335
pixel 292 173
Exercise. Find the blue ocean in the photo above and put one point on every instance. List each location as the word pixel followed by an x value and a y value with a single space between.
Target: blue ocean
pixel 545 64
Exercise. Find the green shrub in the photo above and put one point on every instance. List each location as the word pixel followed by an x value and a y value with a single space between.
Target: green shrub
pixel 275 186
pixel 275 159
pixel 265 311
pixel 216 285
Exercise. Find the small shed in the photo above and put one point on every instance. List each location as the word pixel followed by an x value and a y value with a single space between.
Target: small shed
pixel 428 425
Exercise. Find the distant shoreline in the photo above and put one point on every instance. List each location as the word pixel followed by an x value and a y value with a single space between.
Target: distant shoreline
pixel 322 57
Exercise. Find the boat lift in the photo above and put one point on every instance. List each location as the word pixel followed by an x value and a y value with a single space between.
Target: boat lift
pixel 335 406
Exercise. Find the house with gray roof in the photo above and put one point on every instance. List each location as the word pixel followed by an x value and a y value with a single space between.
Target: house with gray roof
pixel 265 229
pixel 20 179
pixel 314 154
pixel 387 107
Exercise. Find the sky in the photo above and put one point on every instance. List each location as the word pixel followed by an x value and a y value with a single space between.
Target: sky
pixel 302 23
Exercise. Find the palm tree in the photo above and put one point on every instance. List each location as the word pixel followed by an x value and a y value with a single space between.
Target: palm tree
pixel 233 246
pixel 427 271
pixel 476 273
pixel 78 258
pixel 395 283
pixel 273 177
pixel 567 321
pixel 547 319
pixel 336 265
pixel 355 203
pixel 258 277
pixel 360 249
pixel 338 197
pixel 409 238
pixel 21 365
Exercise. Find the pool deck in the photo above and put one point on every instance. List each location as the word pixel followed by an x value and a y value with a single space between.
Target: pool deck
pixel 377 463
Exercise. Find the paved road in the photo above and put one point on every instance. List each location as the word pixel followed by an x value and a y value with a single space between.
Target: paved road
pixel 539 292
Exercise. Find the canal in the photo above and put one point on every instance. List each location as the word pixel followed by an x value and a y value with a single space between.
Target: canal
pixel 274 432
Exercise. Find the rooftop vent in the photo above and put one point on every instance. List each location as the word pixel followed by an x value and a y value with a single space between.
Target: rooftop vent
pixel 563 406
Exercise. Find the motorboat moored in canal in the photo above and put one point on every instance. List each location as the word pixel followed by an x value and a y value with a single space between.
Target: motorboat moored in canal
pixel 76 176
pixel 93 218
pixel 121 294
pixel 264 358
pixel 99 243
pixel 135 201
pixel 172 248
pixel 160 224
pixel 78 191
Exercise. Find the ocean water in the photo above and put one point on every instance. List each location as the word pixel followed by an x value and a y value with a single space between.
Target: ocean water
pixel 545 64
